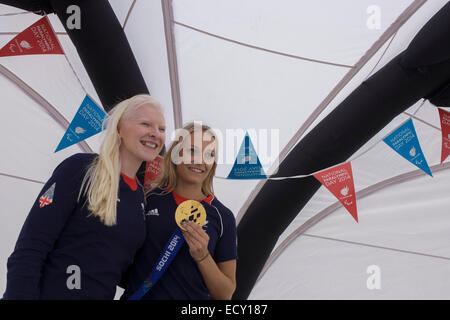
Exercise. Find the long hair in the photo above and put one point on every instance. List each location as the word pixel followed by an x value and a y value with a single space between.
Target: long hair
pixel 100 185
pixel 168 179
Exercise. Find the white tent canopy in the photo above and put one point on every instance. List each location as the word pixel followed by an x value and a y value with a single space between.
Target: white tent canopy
pixel 256 64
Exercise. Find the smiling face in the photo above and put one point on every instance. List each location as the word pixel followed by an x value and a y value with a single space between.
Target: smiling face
pixel 198 159
pixel 142 133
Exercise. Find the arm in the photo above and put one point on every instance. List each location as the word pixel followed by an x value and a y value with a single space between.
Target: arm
pixel 220 278
pixel 41 229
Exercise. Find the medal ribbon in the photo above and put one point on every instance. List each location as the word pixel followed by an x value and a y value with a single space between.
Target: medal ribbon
pixel 168 254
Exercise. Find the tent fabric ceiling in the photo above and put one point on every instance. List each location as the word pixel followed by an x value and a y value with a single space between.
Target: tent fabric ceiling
pixel 308 31
pixel 235 84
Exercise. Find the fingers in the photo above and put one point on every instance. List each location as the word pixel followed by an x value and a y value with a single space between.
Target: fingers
pixel 195 234
pixel 195 230
pixel 197 249
pixel 195 246
pixel 197 240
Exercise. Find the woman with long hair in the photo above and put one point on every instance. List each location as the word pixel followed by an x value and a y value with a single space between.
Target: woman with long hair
pixel 88 221
pixel 202 264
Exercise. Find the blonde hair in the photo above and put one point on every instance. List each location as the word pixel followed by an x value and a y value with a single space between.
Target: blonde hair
pixel 100 185
pixel 168 178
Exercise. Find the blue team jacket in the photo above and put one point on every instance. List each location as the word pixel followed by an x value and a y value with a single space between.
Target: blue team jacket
pixel 64 252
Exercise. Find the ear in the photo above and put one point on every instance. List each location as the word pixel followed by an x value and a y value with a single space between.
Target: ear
pixel 118 129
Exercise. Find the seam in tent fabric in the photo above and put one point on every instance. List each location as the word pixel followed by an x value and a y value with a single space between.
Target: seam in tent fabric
pixel 128 14
pixel 14 13
pixel 260 48
pixel 75 74
pixel 421 105
pixel 421 120
pixel 51 110
pixel 172 61
pixel 73 69
pixel 382 55
pixel 20 178
pixel 394 27
pixel 375 246
pixel 330 209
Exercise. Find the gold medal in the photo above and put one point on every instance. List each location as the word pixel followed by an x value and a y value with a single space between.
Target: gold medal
pixel 190 210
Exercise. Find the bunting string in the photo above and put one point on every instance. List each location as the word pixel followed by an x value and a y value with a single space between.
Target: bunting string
pixel 300 176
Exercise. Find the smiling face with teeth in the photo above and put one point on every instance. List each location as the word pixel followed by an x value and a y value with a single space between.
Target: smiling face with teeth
pixel 198 160
pixel 142 135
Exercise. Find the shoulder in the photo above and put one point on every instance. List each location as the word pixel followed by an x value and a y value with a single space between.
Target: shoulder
pixel 224 211
pixel 75 164
pixel 227 220
pixel 221 207
pixel 78 160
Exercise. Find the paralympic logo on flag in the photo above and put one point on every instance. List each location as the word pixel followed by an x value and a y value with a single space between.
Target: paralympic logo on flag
pixel 404 141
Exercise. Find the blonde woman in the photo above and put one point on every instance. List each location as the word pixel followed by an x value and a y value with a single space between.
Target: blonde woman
pixel 88 221
pixel 203 265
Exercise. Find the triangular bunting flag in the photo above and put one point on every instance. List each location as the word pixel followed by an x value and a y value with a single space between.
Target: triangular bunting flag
pixel 247 164
pixel 339 181
pixel 445 126
pixel 405 142
pixel 86 123
pixel 39 38
pixel 152 171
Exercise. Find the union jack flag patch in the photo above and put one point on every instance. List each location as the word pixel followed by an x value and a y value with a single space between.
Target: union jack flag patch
pixel 47 197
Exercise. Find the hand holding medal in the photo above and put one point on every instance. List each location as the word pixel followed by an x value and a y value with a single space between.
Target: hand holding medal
pixel 190 217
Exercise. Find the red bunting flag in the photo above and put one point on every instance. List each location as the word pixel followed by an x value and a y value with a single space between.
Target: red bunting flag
pixel 152 171
pixel 445 126
pixel 38 38
pixel 339 181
